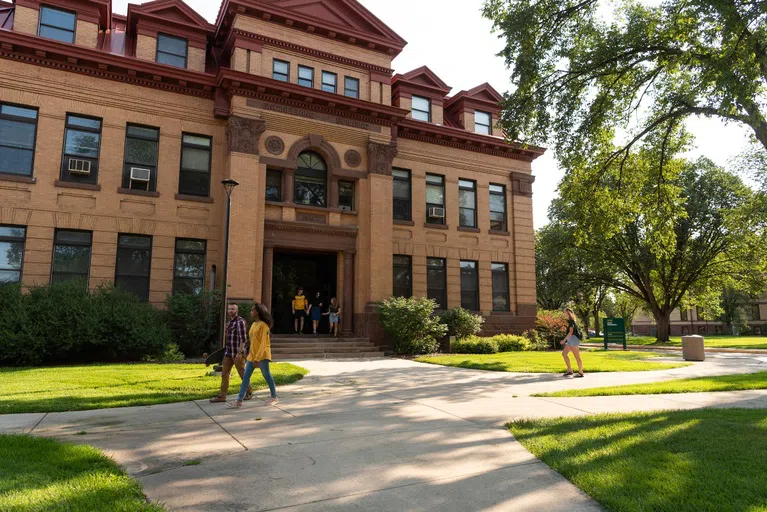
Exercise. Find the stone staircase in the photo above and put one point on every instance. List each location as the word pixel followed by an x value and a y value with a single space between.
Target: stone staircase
pixel 308 346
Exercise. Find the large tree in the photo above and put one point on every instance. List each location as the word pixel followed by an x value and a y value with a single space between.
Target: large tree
pixel 584 73
pixel 683 240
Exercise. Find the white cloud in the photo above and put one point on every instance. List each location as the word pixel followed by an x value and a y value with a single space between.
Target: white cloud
pixel 454 40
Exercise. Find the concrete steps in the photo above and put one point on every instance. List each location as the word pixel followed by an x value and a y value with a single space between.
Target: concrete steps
pixel 322 347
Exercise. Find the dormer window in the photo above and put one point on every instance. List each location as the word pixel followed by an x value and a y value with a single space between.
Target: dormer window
pixel 483 122
pixel 421 108
pixel 57 24
pixel 171 50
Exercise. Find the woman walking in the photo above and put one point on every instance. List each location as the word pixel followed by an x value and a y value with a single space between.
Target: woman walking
pixel 334 312
pixel 260 354
pixel 316 312
pixel 572 343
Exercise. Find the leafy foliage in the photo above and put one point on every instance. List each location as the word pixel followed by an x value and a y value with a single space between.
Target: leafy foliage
pixel 461 323
pixel 65 323
pixel 492 344
pixel 551 327
pixel 584 73
pixel 709 236
pixel 194 321
pixel 411 324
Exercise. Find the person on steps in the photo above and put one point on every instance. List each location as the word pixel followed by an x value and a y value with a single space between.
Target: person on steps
pixel 316 312
pixel 571 343
pixel 299 311
pixel 260 354
pixel 234 352
pixel 334 314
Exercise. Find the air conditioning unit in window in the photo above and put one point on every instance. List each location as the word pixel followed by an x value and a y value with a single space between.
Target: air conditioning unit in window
pixel 140 174
pixel 79 167
pixel 345 208
pixel 437 213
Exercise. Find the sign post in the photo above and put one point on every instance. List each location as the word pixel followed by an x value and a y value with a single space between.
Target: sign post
pixel 615 331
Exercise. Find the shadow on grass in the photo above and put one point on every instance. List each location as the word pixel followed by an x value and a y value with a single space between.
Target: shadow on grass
pixel 126 396
pixel 682 461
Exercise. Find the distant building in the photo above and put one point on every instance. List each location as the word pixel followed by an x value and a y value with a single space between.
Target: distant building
pixel 116 131
pixel 690 321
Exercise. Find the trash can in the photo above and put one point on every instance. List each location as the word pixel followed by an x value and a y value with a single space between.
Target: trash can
pixel 692 348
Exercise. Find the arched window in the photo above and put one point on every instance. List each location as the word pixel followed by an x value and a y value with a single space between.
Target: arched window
pixel 311 180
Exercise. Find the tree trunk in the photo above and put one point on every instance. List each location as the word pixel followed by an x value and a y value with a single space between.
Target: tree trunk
pixel 663 325
pixel 596 323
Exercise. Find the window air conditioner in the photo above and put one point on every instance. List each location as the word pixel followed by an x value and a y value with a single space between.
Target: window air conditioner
pixel 437 213
pixel 140 174
pixel 79 166
pixel 346 208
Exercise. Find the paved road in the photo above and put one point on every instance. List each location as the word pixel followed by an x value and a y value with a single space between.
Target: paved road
pixel 367 435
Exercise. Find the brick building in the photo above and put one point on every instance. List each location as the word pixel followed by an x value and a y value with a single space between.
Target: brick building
pixel 116 132
pixel 691 321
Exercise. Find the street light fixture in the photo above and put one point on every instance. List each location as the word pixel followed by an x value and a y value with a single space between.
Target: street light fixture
pixel 229 185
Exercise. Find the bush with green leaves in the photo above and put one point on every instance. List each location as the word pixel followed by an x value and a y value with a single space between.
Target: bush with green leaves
pixel 491 344
pixel 65 323
pixel 194 321
pixel 537 343
pixel 461 323
pixel 411 324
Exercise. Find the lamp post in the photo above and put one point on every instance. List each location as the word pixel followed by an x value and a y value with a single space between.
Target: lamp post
pixel 229 185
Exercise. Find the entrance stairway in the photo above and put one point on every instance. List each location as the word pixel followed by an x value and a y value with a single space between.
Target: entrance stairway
pixel 308 346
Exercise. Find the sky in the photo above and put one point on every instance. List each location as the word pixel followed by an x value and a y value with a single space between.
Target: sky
pixel 455 41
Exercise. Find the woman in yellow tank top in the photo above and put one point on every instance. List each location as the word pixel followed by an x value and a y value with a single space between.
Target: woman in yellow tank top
pixel 259 354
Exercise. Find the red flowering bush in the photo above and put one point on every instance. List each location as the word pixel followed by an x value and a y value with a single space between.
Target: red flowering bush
pixel 551 326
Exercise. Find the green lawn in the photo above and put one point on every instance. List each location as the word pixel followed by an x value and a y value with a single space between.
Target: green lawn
pixel 43 475
pixel 551 362
pixel 692 385
pixel 683 461
pixel 77 388
pixel 746 342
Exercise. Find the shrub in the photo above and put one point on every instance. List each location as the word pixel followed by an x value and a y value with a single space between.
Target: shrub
pixel 512 343
pixel 461 323
pixel 492 344
pixel 551 326
pixel 194 320
pixel 475 345
pixel 537 343
pixel 65 323
pixel 410 324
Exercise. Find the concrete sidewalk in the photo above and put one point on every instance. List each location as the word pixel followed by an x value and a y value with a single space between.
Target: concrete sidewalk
pixel 383 434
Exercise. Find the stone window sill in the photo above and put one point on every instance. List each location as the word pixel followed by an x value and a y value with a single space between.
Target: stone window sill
pixel 17 178
pixel 435 226
pixel 498 233
pixel 132 192
pixel 195 199
pixel 80 186
pixel 310 208
pixel 404 223
pixel 469 230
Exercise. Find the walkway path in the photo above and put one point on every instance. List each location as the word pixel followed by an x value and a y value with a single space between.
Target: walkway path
pixel 366 435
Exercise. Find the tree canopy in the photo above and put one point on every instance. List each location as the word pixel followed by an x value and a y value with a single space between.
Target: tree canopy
pixel 584 74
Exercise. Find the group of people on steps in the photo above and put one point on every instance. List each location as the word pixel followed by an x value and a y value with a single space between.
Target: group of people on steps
pixel 313 309
pixel 245 352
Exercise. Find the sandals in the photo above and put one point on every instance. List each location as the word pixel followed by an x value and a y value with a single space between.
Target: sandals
pixel 579 375
pixel 217 400
pixel 567 374
pixel 249 396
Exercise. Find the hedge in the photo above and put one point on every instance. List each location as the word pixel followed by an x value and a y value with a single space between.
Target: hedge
pixel 492 345
pixel 65 323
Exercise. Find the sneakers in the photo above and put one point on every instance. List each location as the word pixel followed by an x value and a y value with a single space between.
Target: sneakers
pixel 272 401
pixel 235 404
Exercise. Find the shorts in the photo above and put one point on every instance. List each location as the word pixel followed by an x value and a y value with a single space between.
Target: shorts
pixel 333 318
pixel 300 313
pixel 573 341
pixel 316 314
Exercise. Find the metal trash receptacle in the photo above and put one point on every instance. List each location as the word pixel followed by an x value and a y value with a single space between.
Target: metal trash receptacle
pixel 693 348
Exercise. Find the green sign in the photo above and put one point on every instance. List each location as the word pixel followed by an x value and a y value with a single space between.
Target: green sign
pixel 614 330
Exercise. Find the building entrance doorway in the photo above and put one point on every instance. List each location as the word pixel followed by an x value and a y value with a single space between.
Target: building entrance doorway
pixel 315 272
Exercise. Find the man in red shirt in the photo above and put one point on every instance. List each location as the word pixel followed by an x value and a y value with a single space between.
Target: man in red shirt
pixel 234 352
